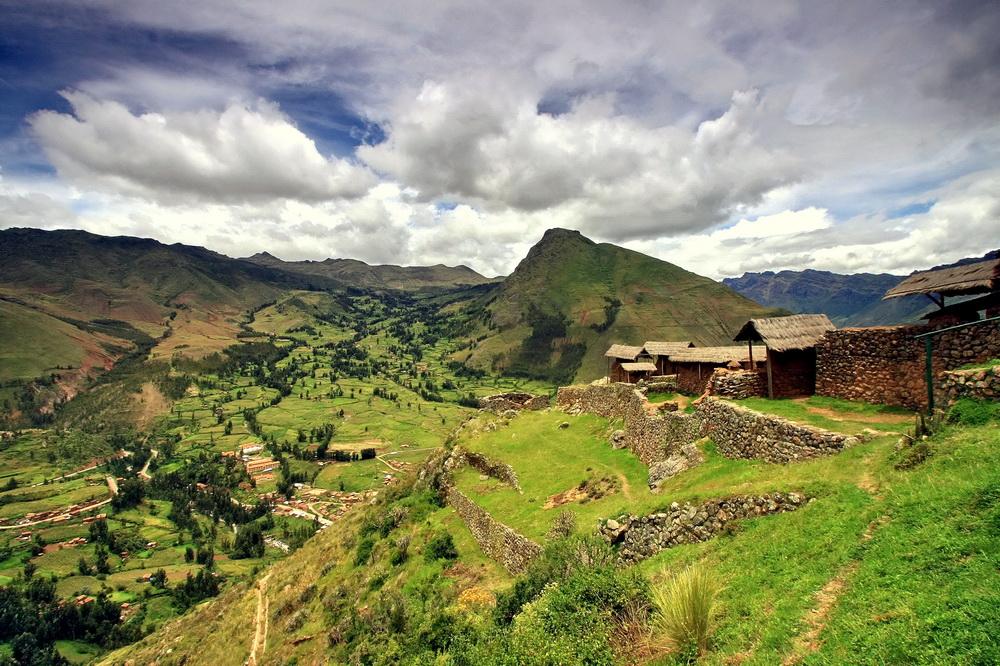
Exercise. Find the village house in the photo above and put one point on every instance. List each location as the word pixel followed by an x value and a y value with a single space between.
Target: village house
pixel 696 365
pixel 981 277
pixel 627 364
pixel 659 354
pixel 790 344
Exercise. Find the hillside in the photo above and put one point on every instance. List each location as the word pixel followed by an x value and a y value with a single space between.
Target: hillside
pixel 571 298
pixel 93 295
pixel 889 540
pixel 364 276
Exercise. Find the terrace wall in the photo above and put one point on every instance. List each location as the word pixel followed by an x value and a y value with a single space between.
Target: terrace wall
pixel 502 402
pixel 742 433
pixel 499 542
pixel 739 384
pixel 650 438
pixel 886 365
pixel 644 536
pixel 980 384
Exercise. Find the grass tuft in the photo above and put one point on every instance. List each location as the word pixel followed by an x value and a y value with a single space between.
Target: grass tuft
pixel 686 604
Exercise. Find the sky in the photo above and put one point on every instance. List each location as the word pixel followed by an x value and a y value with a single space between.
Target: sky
pixel 722 136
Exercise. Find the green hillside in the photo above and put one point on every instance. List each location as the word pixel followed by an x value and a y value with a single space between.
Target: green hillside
pixel 571 298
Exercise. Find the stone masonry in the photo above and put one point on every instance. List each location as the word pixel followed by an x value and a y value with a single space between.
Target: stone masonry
pixel 978 384
pixel 499 542
pixel 738 384
pixel 886 365
pixel 644 536
pixel 650 438
pixel 739 432
pixel 502 402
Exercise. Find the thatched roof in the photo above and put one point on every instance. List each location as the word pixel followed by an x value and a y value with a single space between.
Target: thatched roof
pixel 665 348
pixel 717 355
pixel 623 351
pixel 639 367
pixel 977 278
pixel 786 333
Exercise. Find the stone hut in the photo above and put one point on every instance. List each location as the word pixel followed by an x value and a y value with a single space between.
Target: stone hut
pixel 981 277
pixel 791 350
pixel 659 353
pixel 696 365
pixel 618 357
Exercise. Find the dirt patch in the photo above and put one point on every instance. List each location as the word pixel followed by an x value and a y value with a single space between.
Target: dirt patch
pixel 860 418
pixel 817 617
pixel 561 499
pixel 149 404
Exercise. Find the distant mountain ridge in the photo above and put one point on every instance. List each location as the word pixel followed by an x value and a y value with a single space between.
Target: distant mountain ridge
pixel 366 276
pixel 570 298
pixel 849 300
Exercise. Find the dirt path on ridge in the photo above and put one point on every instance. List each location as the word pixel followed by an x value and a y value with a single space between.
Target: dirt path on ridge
pixel 260 622
pixel 894 419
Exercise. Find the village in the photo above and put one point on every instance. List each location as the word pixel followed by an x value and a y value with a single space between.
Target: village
pixel 805 354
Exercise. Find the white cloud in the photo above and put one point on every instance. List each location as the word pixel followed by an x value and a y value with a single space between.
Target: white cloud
pixel 240 154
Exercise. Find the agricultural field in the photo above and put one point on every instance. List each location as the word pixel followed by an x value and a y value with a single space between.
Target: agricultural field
pixel 344 404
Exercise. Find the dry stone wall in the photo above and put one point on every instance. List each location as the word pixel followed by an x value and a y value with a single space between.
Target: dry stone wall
pixel 641 537
pixel 650 438
pixel 503 402
pixel 979 384
pixel 499 542
pixel 738 384
pixel 494 468
pixel 739 432
pixel 886 365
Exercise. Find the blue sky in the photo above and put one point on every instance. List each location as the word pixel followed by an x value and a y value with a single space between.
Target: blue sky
pixel 723 136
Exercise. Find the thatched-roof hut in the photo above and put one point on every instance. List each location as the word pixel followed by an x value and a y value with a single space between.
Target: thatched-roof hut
pixel 978 278
pixel 981 277
pixel 791 350
pixel 660 353
pixel 695 365
pixel 617 356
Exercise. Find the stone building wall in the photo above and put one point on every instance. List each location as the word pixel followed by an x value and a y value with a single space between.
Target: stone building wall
pixel 644 536
pixel 739 384
pixel 886 365
pixel 650 438
pixel 742 433
pixel 694 378
pixel 499 542
pixel 980 384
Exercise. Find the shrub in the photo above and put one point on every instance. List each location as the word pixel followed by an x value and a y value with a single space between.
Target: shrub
pixel 364 552
pixel 441 547
pixel 686 604
pixel 972 412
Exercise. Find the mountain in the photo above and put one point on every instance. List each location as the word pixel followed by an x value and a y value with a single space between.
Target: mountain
pixel 359 274
pixel 849 300
pixel 571 298
pixel 76 299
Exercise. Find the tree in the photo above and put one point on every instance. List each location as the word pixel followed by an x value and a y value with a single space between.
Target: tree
pixel 249 542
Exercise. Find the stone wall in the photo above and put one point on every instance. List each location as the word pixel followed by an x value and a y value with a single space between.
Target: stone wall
pixel 793 373
pixel 643 537
pixel 502 402
pixel 739 432
pixel 499 542
pixel 980 384
pixel 886 365
pixel 650 438
pixel 738 384
pixel 494 468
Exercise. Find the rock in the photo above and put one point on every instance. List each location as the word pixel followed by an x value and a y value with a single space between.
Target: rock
pixel 564 425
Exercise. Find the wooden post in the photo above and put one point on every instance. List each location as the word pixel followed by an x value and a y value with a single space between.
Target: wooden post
pixel 750 348
pixel 770 382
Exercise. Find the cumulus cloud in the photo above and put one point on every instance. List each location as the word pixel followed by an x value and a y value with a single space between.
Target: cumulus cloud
pixel 234 155
pixel 609 172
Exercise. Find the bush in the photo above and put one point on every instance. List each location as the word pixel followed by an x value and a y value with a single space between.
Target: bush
pixel 364 552
pixel 686 604
pixel 973 412
pixel 441 547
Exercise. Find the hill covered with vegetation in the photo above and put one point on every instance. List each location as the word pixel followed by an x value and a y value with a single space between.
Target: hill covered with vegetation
pixel 571 298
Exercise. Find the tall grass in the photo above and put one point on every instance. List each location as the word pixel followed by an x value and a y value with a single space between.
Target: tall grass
pixel 686 605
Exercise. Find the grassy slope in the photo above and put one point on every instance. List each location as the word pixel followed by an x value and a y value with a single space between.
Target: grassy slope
pixel 33 343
